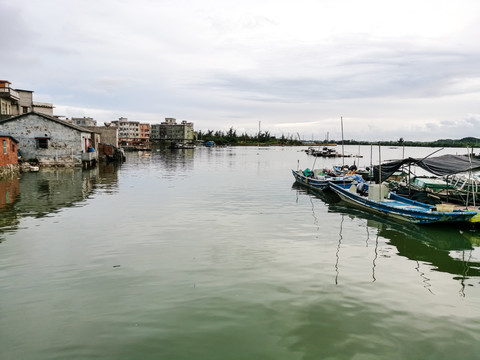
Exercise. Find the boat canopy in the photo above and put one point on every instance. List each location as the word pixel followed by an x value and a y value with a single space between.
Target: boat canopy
pixel 443 165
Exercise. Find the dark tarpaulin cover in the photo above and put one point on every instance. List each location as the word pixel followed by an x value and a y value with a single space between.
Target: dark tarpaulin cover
pixel 439 165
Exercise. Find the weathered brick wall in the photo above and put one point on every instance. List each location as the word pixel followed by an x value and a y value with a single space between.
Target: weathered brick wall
pixel 11 157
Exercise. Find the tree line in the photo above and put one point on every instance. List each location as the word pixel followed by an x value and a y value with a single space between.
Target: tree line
pixel 232 138
pixel 465 142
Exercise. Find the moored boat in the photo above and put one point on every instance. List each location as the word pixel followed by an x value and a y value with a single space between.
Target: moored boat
pixel 454 181
pixel 309 179
pixel 378 199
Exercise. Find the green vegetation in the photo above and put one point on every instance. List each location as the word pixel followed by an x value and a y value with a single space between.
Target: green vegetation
pixel 231 138
pixel 265 138
pixel 465 142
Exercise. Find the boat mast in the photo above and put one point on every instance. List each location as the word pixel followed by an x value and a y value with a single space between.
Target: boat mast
pixel 380 168
pixel 470 182
pixel 343 152
pixel 371 162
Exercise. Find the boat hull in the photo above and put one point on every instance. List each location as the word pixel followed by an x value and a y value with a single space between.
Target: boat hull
pixel 320 184
pixel 402 209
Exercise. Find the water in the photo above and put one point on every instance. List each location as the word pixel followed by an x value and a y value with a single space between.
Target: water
pixel 215 254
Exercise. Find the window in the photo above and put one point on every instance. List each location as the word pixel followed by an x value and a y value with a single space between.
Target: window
pixel 42 143
pixel 4 146
pixel 25 109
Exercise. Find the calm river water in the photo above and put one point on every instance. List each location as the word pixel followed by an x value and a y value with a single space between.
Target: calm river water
pixel 212 253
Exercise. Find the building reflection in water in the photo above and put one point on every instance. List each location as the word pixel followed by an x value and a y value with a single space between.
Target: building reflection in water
pixel 38 194
pixel 9 193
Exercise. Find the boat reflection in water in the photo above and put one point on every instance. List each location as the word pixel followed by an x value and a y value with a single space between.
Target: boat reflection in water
pixel 38 194
pixel 445 249
pixel 9 194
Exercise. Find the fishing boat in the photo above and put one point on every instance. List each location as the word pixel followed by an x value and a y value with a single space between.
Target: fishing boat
pixel 314 181
pixel 378 199
pixel 451 184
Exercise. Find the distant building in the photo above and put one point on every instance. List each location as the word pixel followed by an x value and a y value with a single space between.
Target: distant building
pixel 127 129
pixel 16 101
pixel 132 133
pixel 144 131
pixel 83 121
pixel 169 130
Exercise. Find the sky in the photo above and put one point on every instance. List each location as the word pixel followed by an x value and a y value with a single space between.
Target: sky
pixel 386 69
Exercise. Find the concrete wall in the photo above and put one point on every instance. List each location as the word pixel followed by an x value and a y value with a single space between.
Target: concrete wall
pixel 108 134
pixel 25 104
pixel 84 122
pixel 65 144
pixel 43 108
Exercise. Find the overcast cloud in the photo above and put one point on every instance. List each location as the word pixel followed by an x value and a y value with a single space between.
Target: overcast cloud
pixel 391 69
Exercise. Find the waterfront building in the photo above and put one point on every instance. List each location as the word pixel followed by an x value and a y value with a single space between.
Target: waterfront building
pixel 132 133
pixel 8 154
pixel 107 143
pixel 127 129
pixel 108 134
pixel 49 140
pixel 169 130
pixel 144 131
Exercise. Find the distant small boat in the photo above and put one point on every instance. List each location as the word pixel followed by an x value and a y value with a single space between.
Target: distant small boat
pixel 378 199
pixel 181 145
pixel 323 152
pixel 210 143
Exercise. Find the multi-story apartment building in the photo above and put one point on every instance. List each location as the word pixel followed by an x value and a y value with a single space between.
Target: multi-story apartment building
pixel 169 130
pixel 127 130
pixel 144 131
pixel 16 102
pixel 132 133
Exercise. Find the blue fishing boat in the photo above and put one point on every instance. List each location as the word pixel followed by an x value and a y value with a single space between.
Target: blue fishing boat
pixel 378 199
pixel 308 179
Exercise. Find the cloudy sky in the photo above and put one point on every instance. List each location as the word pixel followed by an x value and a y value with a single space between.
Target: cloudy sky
pixel 389 68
